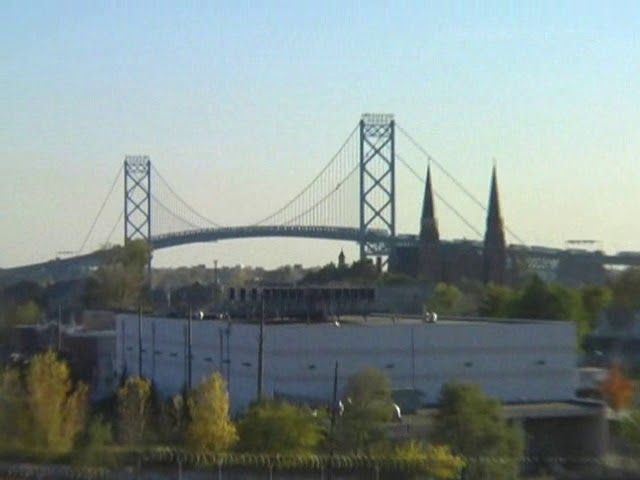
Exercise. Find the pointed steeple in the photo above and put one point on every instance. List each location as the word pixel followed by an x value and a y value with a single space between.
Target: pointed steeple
pixel 494 218
pixel 429 261
pixel 494 239
pixel 428 222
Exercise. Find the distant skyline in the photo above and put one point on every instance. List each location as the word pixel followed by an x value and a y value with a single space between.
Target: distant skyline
pixel 240 105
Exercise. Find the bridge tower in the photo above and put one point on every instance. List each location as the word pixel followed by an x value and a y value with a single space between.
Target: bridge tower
pixel 377 181
pixel 137 198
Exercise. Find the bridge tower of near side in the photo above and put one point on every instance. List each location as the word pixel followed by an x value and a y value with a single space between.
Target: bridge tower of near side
pixel 377 181
pixel 137 198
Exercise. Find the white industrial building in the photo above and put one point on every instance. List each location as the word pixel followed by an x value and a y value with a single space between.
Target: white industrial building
pixel 521 361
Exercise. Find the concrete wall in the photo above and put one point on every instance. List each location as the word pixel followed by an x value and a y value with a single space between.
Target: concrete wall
pixel 575 441
pixel 513 361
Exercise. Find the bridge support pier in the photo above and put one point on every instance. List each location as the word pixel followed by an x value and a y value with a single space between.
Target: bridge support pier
pixel 377 181
pixel 137 202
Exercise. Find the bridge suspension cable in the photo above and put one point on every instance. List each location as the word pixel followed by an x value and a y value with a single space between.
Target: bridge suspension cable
pixel 104 203
pixel 171 212
pixel 455 181
pixel 440 197
pixel 113 229
pixel 157 204
pixel 325 200
pixel 322 200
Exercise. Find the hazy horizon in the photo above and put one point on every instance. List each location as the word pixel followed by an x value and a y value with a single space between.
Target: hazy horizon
pixel 239 107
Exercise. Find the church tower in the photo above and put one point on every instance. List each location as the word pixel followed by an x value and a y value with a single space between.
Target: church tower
pixel 495 248
pixel 429 261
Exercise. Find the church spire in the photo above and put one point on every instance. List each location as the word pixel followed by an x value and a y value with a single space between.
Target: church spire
pixel 428 223
pixel 494 240
pixel 429 261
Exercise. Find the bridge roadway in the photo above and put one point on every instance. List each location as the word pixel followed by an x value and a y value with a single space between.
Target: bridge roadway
pixel 91 260
pixel 255 231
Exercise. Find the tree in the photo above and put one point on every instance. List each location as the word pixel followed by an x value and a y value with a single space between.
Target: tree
pixel 120 282
pixel 446 299
pixel 497 301
pixel 90 445
pixel 28 313
pixel 617 390
pixel 57 411
pixel 368 408
pixel 625 289
pixel 536 301
pixel 630 427
pixel 134 401
pixel 15 424
pixel 594 300
pixel 435 461
pixel 173 419
pixel 472 424
pixel 275 427
pixel 210 427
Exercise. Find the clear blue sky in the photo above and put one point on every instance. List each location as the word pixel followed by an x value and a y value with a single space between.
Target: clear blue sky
pixel 235 102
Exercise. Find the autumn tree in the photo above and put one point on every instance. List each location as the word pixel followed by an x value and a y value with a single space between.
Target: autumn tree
pixel 617 390
pixel 472 424
pixel 134 400
pixel 368 407
pixel 275 427
pixel 210 427
pixel 437 462
pixel 57 411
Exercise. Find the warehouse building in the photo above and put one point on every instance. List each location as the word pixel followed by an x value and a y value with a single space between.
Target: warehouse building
pixel 514 361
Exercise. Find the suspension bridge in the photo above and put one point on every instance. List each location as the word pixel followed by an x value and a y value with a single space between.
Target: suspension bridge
pixel 353 198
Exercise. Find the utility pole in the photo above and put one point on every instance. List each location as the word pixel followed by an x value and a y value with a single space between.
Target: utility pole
pixel 59 329
pixel 140 341
pixel 332 426
pixel 189 350
pixel 261 355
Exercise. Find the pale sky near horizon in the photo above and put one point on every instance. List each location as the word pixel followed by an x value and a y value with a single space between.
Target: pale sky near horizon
pixel 240 104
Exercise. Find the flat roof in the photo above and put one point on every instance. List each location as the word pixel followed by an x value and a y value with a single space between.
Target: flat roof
pixel 373 319
pixel 571 408
pixel 531 410
pixel 377 319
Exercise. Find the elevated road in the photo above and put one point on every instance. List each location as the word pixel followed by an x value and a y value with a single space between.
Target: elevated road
pixel 72 267
pixel 262 231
